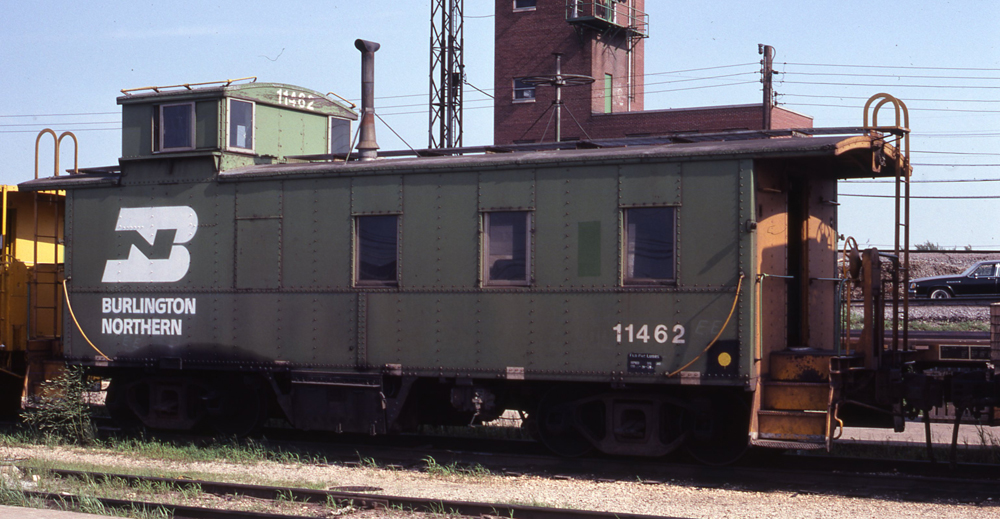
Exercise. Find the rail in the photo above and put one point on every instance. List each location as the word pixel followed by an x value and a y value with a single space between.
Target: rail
pixel 342 498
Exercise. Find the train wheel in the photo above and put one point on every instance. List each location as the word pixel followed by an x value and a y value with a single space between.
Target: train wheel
pixel 238 407
pixel 116 404
pixel 720 431
pixel 555 425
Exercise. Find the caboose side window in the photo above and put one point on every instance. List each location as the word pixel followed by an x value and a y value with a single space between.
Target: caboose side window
pixel 506 248
pixel 175 123
pixel 649 245
pixel 241 117
pixel 376 250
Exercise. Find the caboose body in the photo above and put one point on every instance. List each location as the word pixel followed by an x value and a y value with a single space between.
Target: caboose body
pixel 635 296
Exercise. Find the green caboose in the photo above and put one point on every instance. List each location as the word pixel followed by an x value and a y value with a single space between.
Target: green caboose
pixel 627 295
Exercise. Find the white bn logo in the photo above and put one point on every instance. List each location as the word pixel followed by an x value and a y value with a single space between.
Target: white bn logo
pixel 147 221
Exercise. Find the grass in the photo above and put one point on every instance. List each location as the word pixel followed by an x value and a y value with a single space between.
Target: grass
pixel 87 500
pixel 62 414
pixel 454 471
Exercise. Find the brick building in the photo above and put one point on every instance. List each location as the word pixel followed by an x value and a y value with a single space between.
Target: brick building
pixel 603 39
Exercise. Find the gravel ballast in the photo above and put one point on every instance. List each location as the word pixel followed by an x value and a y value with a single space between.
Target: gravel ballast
pixel 670 498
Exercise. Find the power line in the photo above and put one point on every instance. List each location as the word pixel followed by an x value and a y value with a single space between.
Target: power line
pixel 699 69
pixel 940 197
pixel 892 75
pixel 936 181
pixel 910 109
pixel 74 131
pixel 956 152
pixel 58 124
pixel 909 99
pixel 897 85
pixel 702 78
pixel 890 66
pixel 956 165
pixel 62 115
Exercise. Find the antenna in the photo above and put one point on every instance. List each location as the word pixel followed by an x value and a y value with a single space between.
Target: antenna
pixel 447 73
pixel 559 80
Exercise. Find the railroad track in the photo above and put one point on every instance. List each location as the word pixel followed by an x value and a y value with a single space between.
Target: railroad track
pixel 343 497
pixel 762 470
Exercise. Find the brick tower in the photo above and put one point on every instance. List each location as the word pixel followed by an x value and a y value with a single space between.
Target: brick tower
pixel 603 39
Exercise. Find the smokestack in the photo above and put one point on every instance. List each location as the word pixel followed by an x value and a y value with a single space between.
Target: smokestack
pixel 367 147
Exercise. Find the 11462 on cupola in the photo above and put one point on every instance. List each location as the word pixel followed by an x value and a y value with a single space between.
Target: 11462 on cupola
pixel 633 296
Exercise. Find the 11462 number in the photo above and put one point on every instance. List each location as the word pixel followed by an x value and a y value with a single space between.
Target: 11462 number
pixel 661 333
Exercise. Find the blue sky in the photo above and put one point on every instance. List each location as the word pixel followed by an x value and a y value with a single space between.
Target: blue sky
pixel 63 65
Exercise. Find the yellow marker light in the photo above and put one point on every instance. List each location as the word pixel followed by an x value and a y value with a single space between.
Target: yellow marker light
pixel 725 360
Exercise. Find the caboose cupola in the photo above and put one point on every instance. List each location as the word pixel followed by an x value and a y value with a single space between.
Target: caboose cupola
pixel 240 123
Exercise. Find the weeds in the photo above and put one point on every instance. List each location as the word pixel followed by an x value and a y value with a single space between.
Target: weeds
pixel 367 462
pixel 453 470
pixel 234 451
pixel 62 416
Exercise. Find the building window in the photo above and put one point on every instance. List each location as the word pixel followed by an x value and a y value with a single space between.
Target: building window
pixel 523 92
pixel 241 122
pixel 525 5
pixel 649 245
pixel 506 248
pixel 174 126
pixel 376 250
pixel 608 92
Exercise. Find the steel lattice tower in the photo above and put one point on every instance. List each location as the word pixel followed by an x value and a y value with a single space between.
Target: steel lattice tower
pixel 447 73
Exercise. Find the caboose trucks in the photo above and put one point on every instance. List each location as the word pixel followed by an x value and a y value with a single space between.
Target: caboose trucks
pixel 636 297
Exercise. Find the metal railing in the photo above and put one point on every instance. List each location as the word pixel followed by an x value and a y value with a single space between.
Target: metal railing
pixel 611 12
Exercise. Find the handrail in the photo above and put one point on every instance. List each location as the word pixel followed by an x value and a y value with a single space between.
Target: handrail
pixel 58 141
pixel 353 106
pixel 224 82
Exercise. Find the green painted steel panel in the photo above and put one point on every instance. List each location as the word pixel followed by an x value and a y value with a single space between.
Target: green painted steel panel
pixel 314 136
pixel 319 328
pixel 283 132
pixel 588 257
pixel 289 97
pixel 293 237
pixel 258 253
pixel 440 240
pixel 169 171
pixel 95 241
pixel 377 194
pixel 565 197
pixel 259 199
pixel 258 234
pixel 316 237
pixel 651 184
pixel 507 190
pixel 258 324
pixel 711 225
pixel 137 130
pixel 503 330
pixel 421 331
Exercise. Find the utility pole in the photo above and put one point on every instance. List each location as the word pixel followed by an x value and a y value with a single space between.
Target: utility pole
pixel 447 73
pixel 767 73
